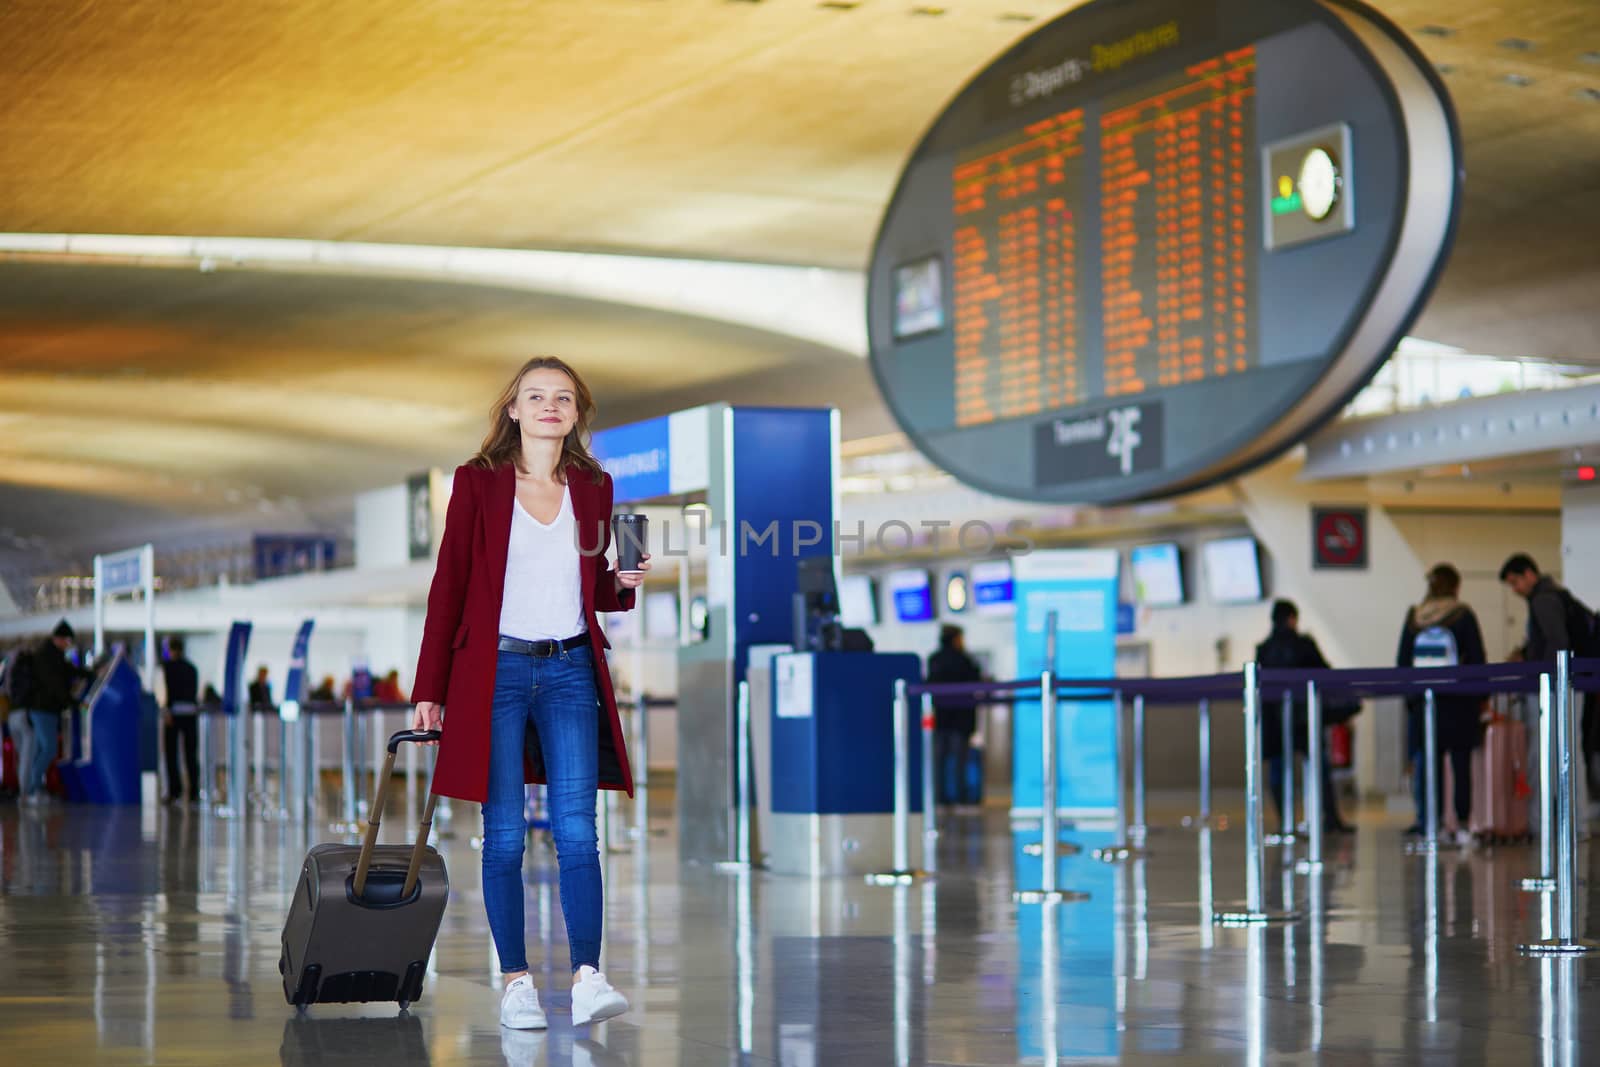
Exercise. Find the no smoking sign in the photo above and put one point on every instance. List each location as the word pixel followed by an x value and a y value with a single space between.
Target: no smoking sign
pixel 1339 538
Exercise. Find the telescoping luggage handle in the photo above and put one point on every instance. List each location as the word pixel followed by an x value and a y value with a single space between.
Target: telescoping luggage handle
pixel 371 841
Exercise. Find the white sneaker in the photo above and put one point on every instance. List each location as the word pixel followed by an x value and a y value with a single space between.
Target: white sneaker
pixel 519 1006
pixel 593 999
pixel 1464 839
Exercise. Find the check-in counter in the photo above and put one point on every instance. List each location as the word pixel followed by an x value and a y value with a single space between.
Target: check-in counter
pixel 831 763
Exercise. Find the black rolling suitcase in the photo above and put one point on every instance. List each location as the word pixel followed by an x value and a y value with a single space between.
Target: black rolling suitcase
pixel 364 918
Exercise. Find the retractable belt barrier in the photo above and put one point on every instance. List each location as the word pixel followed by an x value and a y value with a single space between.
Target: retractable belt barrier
pixel 1553 684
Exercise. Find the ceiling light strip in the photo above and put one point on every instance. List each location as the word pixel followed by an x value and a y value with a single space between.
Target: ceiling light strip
pixel 815 304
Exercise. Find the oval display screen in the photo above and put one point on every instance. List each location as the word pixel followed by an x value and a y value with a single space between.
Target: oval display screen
pixel 1155 244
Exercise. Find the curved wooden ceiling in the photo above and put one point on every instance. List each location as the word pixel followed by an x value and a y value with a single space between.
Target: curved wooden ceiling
pixel 769 131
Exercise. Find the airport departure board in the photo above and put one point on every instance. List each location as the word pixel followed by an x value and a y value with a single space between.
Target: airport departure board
pixel 1144 249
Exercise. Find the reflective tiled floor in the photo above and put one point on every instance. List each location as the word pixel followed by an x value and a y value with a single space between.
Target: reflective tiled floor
pixel 153 938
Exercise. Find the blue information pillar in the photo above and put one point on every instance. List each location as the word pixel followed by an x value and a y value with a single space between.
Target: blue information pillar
pixel 104 768
pixel 1080 587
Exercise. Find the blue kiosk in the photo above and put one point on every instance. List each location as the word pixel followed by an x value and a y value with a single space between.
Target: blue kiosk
pixel 103 763
pixel 755 490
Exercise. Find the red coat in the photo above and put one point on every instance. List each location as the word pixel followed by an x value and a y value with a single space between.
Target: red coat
pixel 460 639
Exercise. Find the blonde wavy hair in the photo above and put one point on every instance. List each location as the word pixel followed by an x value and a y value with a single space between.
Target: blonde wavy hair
pixel 503 443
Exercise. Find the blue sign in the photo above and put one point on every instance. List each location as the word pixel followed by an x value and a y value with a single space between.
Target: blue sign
pixel 294 689
pixel 123 572
pixel 992 584
pixel 638 458
pixel 233 692
pixel 913 596
pixel 1079 588
pixel 1127 620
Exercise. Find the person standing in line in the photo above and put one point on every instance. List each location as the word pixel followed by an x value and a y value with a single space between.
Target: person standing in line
pixel 1441 631
pixel 181 718
pixel 1286 648
pixel 1557 622
pixel 261 691
pixel 512 649
pixel 954 717
pixel 49 694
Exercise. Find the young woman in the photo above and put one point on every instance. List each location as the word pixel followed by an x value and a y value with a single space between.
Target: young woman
pixel 513 650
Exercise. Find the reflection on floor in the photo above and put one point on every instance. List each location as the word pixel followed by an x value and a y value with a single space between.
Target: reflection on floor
pixel 152 937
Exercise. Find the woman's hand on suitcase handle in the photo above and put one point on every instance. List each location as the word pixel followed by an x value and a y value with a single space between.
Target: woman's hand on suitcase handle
pixel 429 716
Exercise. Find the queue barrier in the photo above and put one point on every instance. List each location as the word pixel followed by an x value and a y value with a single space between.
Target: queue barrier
pixel 1553 687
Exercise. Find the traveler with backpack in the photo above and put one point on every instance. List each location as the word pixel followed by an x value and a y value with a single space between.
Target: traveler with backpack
pixel 1557 622
pixel 1443 632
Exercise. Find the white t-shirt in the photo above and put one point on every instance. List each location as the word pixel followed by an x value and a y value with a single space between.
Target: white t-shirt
pixel 544 589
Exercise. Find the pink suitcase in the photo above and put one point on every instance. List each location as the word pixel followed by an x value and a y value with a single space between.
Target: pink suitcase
pixel 1500 783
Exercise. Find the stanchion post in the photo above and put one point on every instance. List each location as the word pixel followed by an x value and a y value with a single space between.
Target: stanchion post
pixel 359 761
pixel 744 773
pixel 1049 800
pixel 1430 782
pixel 1255 911
pixel 283 767
pixel 742 853
pixel 234 806
pixel 1050 824
pixel 205 789
pixel 258 759
pixel 1313 783
pixel 1124 847
pixel 347 768
pixel 1547 831
pixel 237 762
pixel 308 801
pixel 1286 828
pixel 1203 820
pixel 1430 746
pixel 930 775
pixel 902 873
pixel 1140 826
pixel 1566 942
pixel 641 765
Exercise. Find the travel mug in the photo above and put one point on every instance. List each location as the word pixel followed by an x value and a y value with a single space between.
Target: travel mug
pixel 629 532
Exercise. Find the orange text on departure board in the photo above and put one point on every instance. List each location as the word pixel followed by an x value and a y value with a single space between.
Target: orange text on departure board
pixel 1015 273
pixel 1177 267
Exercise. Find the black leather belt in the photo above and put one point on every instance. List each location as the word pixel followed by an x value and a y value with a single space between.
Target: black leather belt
pixel 541 649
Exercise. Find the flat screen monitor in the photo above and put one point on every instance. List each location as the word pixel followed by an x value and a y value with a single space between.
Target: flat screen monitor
pixel 918 298
pixel 1233 570
pixel 858 601
pixel 913 595
pixel 1157 575
pixel 993 590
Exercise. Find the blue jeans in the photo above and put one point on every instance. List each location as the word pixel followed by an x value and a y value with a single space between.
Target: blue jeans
pixel 46 744
pixel 556 697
